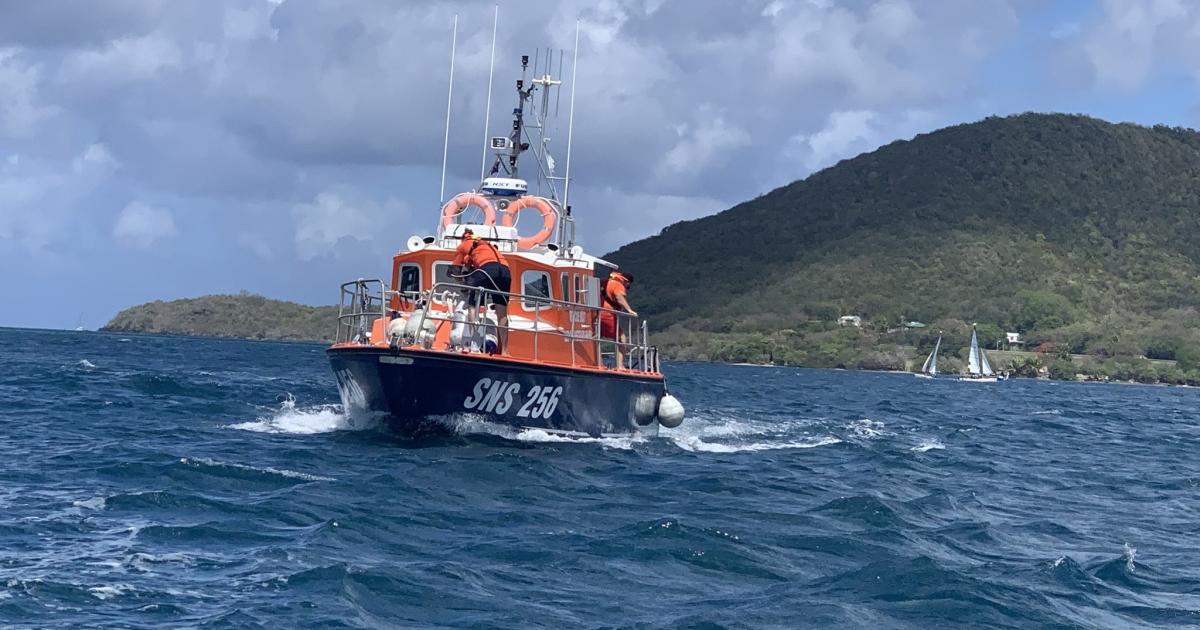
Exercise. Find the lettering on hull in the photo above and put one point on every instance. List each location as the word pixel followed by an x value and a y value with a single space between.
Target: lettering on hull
pixel 501 397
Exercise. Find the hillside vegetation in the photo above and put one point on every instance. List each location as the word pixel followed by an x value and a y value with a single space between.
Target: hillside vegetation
pixel 245 315
pixel 1081 234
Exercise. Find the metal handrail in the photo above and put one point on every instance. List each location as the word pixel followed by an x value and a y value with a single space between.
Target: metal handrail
pixel 636 344
pixel 365 306
pixel 365 300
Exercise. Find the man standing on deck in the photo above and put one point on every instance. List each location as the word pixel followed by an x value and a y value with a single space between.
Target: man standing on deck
pixel 613 297
pixel 481 265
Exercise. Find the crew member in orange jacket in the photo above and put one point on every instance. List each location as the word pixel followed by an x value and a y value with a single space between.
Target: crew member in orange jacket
pixel 613 297
pixel 481 265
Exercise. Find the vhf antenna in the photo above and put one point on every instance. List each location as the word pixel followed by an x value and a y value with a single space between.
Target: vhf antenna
pixel 488 116
pixel 449 98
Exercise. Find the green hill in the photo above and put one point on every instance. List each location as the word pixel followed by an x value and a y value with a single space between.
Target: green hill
pixel 1081 234
pixel 246 315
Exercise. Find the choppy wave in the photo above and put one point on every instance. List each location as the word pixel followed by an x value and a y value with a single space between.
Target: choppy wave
pixel 931 444
pixel 866 429
pixel 212 463
pixel 859 500
pixel 109 591
pixel 697 444
pixel 94 503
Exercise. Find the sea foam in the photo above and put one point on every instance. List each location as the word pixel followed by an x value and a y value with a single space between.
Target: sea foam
pixel 302 420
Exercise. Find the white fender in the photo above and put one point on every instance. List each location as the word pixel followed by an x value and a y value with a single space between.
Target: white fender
pixel 458 328
pixel 670 412
pixel 644 408
pixel 396 328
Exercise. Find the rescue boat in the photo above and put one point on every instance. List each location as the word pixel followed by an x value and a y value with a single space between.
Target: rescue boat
pixel 413 349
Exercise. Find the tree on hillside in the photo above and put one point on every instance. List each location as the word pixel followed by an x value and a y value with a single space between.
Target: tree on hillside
pixel 1043 310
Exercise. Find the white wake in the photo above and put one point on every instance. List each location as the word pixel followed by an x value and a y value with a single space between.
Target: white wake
pixel 696 435
pixel 304 420
pixel 699 434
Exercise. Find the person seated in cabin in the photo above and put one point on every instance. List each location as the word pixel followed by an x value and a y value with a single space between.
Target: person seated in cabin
pixel 482 266
pixel 613 297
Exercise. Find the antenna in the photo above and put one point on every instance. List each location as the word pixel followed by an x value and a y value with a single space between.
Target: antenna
pixel 449 97
pixel 558 93
pixel 571 121
pixel 487 118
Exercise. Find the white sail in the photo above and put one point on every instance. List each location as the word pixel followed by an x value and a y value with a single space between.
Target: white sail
pixel 984 366
pixel 930 366
pixel 973 367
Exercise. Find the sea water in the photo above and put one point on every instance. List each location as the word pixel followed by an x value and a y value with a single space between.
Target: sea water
pixel 151 481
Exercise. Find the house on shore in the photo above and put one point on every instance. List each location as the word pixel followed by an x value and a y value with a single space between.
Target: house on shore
pixel 850 320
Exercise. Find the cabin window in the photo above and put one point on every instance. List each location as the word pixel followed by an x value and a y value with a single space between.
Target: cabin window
pixel 566 287
pixel 410 280
pixel 534 284
pixel 593 292
pixel 441 273
pixel 580 294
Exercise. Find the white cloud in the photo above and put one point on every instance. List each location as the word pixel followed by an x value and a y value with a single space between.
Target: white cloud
pixel 20 108
pixel 892 52
pixel 1130 37
pixel 123 60
pixel 322 224
pixel 251 23
pixel 774 8
pixel 142 225
pixel 95 157
pixel 702 144
pixel 843 131
pixel 848 133
pixel 40 198
pixel 617 217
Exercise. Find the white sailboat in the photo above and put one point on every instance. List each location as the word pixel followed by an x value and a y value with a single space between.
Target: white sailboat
pixel 929 369
pixel 978 368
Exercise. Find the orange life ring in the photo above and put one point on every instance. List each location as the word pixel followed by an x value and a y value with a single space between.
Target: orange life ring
pixel 455 207
pixel 509 218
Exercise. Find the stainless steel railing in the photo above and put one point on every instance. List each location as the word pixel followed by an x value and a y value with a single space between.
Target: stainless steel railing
pixel 637 352
pixel 361 302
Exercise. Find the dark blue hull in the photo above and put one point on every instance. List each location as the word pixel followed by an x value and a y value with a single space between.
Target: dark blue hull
pixel 428 391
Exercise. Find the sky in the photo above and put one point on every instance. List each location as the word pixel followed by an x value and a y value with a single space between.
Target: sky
pixel 158 149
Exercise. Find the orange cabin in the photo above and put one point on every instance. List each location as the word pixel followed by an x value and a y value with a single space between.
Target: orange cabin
pixel 539 330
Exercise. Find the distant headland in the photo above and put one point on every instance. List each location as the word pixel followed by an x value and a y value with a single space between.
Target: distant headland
pixel 245 316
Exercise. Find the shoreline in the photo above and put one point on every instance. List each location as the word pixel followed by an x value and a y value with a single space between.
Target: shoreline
pixel 954 377
pixel 1088 379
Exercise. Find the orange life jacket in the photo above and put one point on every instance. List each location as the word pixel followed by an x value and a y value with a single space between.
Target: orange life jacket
pixel 470 253
pixel 614 287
